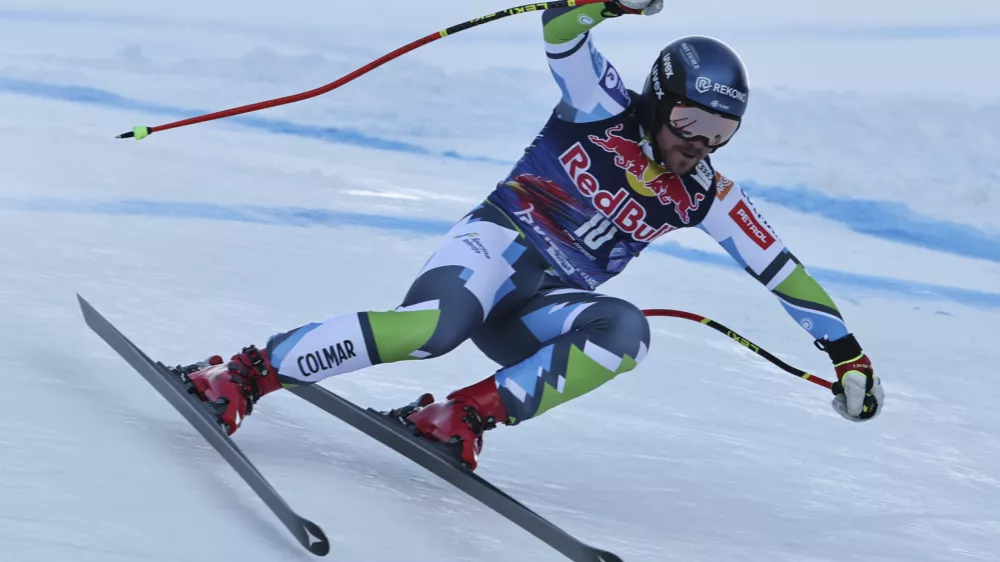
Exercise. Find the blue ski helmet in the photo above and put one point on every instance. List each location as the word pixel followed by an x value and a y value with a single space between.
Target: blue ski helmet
pixel 696 71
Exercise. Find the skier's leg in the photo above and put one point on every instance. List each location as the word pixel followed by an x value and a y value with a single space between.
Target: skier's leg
pixel 482 261
pixel 562 344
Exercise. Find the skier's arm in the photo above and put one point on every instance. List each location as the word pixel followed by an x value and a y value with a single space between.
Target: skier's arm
pixel 745 235
pixel 736 226
pixel 591 87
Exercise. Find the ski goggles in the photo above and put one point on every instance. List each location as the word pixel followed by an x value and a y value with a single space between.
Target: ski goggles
pixel 695 123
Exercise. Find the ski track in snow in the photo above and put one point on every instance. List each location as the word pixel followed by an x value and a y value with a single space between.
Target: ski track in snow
pixel 203 240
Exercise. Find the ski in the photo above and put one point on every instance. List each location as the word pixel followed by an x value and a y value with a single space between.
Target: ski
pixel 170 387
pixel 395 435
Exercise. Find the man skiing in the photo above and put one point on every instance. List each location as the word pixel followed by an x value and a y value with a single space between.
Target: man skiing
pixel 611 171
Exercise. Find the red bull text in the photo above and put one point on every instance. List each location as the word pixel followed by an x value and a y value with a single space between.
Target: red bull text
pixel 620 207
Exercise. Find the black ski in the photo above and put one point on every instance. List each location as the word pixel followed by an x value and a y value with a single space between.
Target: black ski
pixel 390 432
pixel 169 386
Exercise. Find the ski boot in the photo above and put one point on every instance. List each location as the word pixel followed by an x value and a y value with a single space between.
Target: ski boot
pixel 458 422
pixel 229 391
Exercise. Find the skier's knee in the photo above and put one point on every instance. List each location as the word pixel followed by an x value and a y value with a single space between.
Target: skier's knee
pixel 631 320
pixel 626 333
pixel 445 341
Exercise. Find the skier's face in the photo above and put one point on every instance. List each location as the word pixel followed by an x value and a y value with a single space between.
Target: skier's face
pixel 679 154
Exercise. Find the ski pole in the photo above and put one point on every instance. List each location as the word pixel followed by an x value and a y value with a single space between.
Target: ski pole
pixel 742 340
pixel 141 132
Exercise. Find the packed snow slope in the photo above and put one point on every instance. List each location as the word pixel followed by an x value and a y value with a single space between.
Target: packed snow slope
pixel 870 146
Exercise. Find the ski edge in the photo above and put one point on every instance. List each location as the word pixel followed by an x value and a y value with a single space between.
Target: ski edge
pixel 369 423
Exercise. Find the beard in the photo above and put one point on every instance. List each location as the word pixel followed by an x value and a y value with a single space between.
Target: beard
pixel 681 160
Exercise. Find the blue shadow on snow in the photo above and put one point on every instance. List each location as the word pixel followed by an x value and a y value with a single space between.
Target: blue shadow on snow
pixel 98 97
pixel 884 219
pixel 887 220
pixel 310 218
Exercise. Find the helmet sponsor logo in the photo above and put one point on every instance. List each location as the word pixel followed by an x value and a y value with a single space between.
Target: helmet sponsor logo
pixel 584 19
pixel 705 85
pixel 747 220
pixel 730 92
pixel 691 55
pixel 668 67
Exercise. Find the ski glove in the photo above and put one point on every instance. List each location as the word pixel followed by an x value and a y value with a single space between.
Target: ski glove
pixel 858 392
pixel 644 7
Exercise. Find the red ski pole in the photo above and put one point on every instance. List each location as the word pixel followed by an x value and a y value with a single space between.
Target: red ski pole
pixel 742 340
pixel 140 132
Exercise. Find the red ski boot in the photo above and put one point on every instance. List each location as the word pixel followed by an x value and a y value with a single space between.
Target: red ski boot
pixel 232 389
pixel 462 418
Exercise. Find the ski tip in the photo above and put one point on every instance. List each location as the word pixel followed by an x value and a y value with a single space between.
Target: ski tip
pixel 90 314
pixel 314 539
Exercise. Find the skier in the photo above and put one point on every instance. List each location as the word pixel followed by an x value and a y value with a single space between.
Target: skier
pixel 611 171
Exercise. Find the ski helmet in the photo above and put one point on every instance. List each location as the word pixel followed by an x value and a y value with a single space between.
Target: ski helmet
pixel 695 72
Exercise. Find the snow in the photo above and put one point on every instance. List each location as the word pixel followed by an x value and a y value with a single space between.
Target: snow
pixel 203 240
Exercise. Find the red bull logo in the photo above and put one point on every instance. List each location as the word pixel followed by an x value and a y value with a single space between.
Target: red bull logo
pixel 670 189
pixel 620 207
pixel 628 154
pixel 647 177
